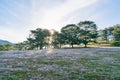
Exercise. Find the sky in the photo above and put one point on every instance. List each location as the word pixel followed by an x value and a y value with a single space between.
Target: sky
pixel 18 17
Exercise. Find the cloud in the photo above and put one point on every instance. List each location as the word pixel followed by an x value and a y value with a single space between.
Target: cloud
pixel 44 14
pixel 54 17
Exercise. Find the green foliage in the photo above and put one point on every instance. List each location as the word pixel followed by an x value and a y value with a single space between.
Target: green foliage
pixel 18 75
pixel 22 46
pixel 38 38
pixel 116 32
pixel 84 32
pixel 116 43
pixel 6 47
pixel 111 33
pixel 88 32
pixel 19 46
pixel 58 39
pixel 106 33
pixel 70 33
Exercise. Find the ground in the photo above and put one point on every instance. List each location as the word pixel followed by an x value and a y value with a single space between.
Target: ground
pixel 61 64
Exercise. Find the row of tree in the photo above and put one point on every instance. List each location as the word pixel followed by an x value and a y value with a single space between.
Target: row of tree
pixel 72 34
pixel 111 34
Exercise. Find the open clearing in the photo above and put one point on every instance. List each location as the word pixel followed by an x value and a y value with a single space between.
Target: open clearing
pixel 61 64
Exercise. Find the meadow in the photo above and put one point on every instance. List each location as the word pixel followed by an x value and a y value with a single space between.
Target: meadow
pixel 61 64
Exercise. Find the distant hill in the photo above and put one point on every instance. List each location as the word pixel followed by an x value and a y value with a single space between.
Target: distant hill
pixel 4 42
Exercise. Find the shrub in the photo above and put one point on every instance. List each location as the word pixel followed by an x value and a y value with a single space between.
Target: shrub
pixel 6 47
pixel 115 43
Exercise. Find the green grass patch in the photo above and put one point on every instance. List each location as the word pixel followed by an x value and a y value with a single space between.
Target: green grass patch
pixel 16 75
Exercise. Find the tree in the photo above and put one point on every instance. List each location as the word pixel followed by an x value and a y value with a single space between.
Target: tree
pixel 70 33
pixel 55 40
pixel 116 32
pixel 31 43
pixel 106 33
pixel 88 32
pixel 37 38
pixel 58 39
pixel 19 46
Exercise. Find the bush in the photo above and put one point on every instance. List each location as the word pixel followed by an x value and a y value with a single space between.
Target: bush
pixel 115 43
pixel 6 47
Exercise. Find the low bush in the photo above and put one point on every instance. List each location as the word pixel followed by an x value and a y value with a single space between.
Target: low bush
pixel 115 43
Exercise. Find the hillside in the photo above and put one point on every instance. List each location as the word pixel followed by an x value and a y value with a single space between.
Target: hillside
pixel 4 42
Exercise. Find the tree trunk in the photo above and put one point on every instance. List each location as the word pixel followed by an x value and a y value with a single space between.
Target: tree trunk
pixel 60 45
pixel 85 45
pixel 72 46
pixel 41 46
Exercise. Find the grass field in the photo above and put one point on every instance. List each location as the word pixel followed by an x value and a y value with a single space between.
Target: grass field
pixel 61 64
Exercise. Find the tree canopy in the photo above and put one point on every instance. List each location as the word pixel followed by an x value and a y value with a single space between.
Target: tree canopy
pixel 88 31
pixel 38 38
pixel 71 34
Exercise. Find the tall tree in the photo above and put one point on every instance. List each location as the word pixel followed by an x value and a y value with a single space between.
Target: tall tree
pixel 37 38
pixel 70 33
pixel 19 46
pixel 106 33
pixel 88 31
pixel 58 39
pixel 116 32
pixel 31 43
